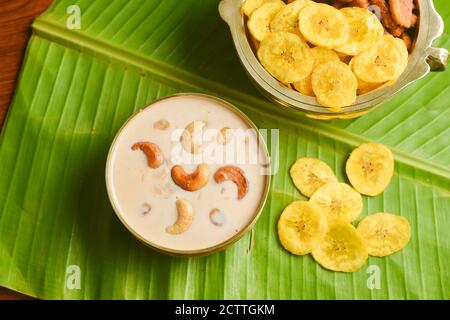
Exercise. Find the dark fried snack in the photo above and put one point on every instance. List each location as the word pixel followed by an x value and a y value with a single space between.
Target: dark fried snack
pixel 359 3
pixel 338 4
pixel 407 40
pixel 402 12
pixel 386 18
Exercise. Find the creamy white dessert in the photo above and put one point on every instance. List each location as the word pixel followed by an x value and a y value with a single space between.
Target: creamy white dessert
pixel 187 173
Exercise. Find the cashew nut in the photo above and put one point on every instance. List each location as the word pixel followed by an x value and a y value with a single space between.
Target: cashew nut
pixel 192 137
pixel 217 217
pixel 224 136
pixel 193 181
pixel 154 154
pixel 161 124
pixel 185 217
pixel 236 175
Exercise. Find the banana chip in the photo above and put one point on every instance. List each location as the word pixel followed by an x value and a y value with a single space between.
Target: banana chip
pixel 286 57
pixel 310 174
pixel 365 87
pixel 334 85
pixel 259 21
pixel 342 248
pixel 365 31
pixel 324 26
pixel 338 200
pixel 301 227
pixel 385 61
pixel 384 233
pixel 320 56
pixel 370 168
pixel 249 6
pixel 287 19
pixel 304 87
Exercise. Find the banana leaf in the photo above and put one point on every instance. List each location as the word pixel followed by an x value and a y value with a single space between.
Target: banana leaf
pixel 76 89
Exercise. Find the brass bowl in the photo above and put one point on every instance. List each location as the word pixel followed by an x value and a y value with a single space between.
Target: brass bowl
pixel 109 169
pixel 423 59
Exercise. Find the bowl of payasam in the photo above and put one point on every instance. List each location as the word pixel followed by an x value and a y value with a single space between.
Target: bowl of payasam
pixel 414 22
pixel 188 175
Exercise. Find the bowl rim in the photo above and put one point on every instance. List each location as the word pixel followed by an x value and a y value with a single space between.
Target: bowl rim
pixel 430 28
pixel 198 252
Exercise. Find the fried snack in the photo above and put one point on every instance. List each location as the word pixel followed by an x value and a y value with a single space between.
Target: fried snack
pixel 259 21
pixel 359 3
pixel 304 87
pixel 366 87
pixel 370 168
pixel 286 57
pixel 365 31
pixel 407 40
pixel 382 63
pixel 287 19
pixel 401 46
pixel 342 248
pixel 386 18
pixel 334 85
pixel 402 12
pixel 320 56
pixel 338 4
pixel 384 233
pixel 301 227
pixel 249 6
pixel 338 200
pixel 310 174
pixel 324 26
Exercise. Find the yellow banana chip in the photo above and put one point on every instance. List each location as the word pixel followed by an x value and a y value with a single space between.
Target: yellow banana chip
pixel 342 248
pixel 310 174
pixel 304 87
pixel 334 85
pixel 370 168
pixel 384 233
pixel 365 87
pixel 338 200
pixel 287 19
pixel 259 21
pixel 249 6
pixel 385 61
pixel 301 227
pixel 324 26
pixel 285 56
pixel 365 31
pixel 320 56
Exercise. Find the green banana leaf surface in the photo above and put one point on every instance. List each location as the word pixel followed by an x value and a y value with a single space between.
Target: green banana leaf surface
pixel 76 89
